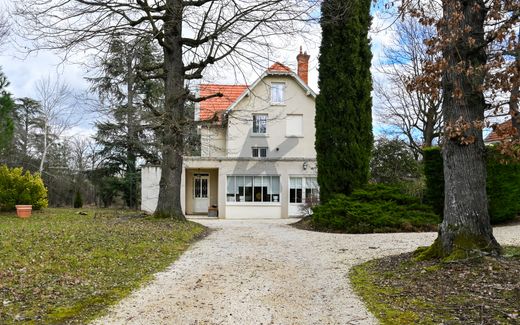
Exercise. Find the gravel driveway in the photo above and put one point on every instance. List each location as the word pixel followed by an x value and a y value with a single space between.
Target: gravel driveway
pixel 266 272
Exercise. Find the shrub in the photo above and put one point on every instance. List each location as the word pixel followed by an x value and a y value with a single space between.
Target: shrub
pixel 78 200
pixel 503 184
pixel 17 187
pixel 375 208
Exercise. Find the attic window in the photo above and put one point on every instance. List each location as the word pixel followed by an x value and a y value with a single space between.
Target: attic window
pixel 277 92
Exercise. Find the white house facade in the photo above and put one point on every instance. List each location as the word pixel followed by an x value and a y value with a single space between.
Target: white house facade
pixel 257 150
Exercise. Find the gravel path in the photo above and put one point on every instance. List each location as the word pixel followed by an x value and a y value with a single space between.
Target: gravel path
pixel 266 272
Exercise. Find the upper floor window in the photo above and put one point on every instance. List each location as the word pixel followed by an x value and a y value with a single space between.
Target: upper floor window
pixel 277 92
pixel 260 123
pixel 259 152
pixel 294 125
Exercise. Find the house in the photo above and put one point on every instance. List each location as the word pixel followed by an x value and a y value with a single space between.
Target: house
pixel 501 132
pixel 257 155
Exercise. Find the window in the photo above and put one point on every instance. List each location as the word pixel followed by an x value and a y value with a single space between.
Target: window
pixel 260 123
pixel 312 193
pixel 277 92
pixel 253 188
pixel 294 125
pixel 295 189
pixel 300 185
pixel 259 152
pixel 200 186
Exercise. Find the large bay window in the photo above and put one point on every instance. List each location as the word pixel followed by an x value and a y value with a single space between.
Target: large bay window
pixel 253 188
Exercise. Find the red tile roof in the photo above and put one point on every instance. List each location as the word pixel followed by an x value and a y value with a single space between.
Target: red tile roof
pixel 214 106
pixel 277 66
pixel 500 132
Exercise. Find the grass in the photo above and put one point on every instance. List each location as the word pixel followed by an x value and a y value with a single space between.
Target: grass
pixel 61 267
pixel 400 290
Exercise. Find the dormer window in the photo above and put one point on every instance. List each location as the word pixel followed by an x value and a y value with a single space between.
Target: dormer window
pixel 260 123
pixel 277 93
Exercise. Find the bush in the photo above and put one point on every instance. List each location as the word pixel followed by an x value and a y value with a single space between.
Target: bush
pixel 375 208
pixel 17 187
pixel 78 200
pixel 503 184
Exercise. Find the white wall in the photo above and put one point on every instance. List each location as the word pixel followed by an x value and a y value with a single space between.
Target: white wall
pixel 150 177
pixel 240 137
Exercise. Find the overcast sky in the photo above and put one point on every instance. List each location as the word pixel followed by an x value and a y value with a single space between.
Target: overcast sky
pixel 24 70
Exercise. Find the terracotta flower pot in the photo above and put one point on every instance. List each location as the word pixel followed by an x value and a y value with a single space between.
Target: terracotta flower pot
pixel 24 211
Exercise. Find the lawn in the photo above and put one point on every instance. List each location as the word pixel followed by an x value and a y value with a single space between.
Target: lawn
pixel 62 267
pixel 399 290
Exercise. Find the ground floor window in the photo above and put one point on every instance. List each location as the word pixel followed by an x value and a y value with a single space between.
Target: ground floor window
pixel 253 188
pixel 300 186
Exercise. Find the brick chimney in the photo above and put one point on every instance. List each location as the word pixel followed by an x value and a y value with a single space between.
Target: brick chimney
pixel 303 65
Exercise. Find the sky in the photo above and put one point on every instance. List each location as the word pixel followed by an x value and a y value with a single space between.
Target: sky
pixel 23 70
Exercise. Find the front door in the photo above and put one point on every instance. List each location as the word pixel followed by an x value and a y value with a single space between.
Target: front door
pixel 200 193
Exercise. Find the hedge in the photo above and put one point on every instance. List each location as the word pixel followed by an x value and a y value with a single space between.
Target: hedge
pixel 503 184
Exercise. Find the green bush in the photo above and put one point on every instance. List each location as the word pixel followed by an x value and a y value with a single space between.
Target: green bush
pixel 375 208
pixel 503 184
pixel 78 200
pixel 434 173
pixel 17 187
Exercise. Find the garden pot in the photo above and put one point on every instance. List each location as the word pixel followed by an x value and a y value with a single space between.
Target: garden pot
pixel 24 211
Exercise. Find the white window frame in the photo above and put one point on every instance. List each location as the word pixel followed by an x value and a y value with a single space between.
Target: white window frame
pixel 304 181
pixel 259 151
pixel 262 117
pixel 277 93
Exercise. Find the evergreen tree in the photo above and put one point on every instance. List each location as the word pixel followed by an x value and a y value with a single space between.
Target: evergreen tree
pixel 344 106
pixel 131 102
pixel 6 114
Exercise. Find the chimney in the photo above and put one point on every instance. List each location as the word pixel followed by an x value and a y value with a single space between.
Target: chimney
pixel 303 65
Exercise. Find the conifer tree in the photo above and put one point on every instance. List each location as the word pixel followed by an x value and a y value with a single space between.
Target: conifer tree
pixel 344 106
pixel 6 112
pixel 127 136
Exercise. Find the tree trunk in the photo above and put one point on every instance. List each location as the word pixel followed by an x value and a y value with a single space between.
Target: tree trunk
pixel 132 137
pixel 45 146
pixel 466 229
pixel 172 139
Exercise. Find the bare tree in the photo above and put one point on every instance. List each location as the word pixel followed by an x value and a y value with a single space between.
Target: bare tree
pixel 410 112
pixel 4 27
pixel 193 34
pixel 56 114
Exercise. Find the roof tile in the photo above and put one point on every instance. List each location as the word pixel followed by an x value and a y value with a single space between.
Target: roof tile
pixel 213 106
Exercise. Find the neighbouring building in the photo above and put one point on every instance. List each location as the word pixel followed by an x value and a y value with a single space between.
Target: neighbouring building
pixel 257 149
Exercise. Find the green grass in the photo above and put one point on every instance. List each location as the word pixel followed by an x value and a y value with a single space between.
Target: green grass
pixel 60 267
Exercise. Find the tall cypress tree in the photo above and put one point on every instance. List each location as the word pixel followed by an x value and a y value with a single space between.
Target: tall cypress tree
pixel 344 106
